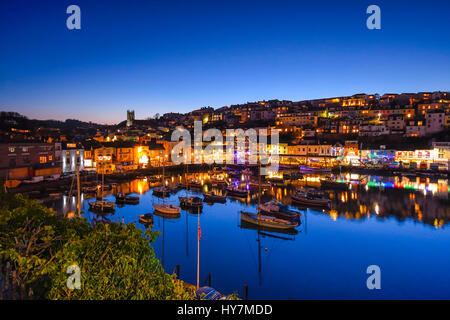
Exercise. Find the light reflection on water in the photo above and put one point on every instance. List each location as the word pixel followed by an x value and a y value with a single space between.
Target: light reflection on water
pixel 383 221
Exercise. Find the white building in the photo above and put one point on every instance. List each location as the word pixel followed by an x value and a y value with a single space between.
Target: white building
pixel 72 155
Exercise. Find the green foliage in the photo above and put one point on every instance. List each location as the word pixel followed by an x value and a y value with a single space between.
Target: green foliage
pixel 116 261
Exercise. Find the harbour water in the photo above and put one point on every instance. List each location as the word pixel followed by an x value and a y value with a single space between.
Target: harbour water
pixel 401 224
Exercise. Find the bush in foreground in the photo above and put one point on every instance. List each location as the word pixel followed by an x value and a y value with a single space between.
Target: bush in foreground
pixel 116 261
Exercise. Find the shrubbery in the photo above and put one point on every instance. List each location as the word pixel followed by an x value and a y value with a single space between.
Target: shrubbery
pixel 116 260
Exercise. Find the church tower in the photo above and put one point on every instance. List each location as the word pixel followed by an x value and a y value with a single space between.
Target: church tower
pixel 130 118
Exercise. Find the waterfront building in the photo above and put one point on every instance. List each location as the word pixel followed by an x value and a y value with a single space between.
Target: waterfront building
pixel 72 156
pixel 423 159
pixel 22 160
pixel 103 159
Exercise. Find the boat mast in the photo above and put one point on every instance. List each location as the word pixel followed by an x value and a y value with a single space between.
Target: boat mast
pixel 259 186
pixel 78 190
pixel 259 257
pixel 198 248
pixel 103 180
pixel 163 185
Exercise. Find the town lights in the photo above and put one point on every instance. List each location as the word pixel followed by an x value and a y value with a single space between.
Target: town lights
pixel 143 160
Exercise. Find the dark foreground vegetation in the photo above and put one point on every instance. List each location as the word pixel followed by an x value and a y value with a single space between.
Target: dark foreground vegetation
pixel 116 261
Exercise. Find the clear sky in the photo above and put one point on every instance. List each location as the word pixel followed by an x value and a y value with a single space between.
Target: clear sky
pixel 157 57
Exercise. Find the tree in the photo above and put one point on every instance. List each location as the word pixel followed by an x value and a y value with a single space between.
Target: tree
pixel 116 260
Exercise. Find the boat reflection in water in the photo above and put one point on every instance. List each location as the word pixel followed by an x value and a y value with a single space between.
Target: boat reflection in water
pixel 361 227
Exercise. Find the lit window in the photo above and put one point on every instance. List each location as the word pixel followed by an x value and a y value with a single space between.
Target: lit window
pixel 12 149
pixel 42 159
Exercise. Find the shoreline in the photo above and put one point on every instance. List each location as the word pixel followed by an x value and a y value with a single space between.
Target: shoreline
pixel 63 185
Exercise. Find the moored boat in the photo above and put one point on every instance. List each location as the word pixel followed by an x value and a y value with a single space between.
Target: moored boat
pixel 161 191
pixel 236 191
pixel 91 189
pixel 102 206
pixel 304 169
pixel 328 183
pixel 278 209
pixel 123 198
pixel 268 221
pixel 146 219
pixel 192 183
pixel 211 197
pixel 310 199
pixel 191 202
pixel 167 208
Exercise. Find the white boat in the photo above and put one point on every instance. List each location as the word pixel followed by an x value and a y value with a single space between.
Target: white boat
pixel 166 208
pixel 265 220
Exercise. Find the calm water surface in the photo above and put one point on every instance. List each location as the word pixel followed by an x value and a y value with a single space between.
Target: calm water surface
pixel 399 224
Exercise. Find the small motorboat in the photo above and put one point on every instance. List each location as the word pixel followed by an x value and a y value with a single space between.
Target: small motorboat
pixel 191 202
pixel 304 169
pixel 161 191
pixel 146 219
pixel 310 199
pixel 236 191
pixel 192 183
pixel 268 221
pixel 102 206
pixel 210 197
pixel 277 209
pixel 217 181
pixel 92 189
pixel 123 198
pixel 167 208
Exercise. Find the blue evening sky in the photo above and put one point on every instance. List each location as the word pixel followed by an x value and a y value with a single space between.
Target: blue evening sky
pixel 163 56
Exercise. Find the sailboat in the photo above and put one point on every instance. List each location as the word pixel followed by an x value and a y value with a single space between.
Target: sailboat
pixel 264 220
pixel 166 208
pixel 102 205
